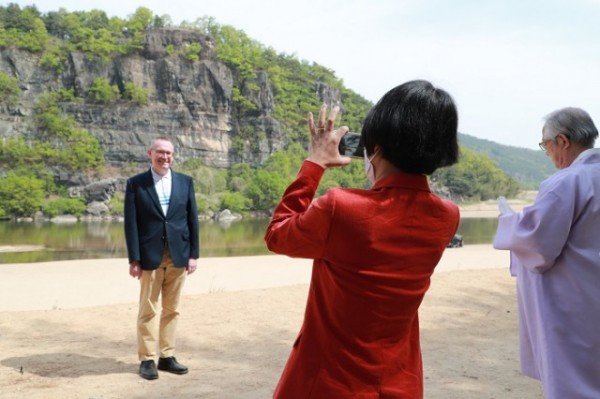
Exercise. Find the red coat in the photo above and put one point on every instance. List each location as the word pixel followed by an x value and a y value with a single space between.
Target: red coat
pixel 374 253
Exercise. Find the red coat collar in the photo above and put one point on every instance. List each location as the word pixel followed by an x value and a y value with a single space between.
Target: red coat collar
pixel 403 180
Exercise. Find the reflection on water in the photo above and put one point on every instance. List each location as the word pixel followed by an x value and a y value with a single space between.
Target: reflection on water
pixel 107 239
pixel 478 230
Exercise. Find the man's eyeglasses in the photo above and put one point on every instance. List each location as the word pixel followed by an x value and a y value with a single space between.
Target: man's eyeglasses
pixel 544 144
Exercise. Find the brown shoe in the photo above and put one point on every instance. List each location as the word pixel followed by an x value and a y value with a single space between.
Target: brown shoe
pixel 171 365
pixel 148 370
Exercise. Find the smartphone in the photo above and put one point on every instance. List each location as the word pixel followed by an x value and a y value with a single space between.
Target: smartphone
pixel 351 145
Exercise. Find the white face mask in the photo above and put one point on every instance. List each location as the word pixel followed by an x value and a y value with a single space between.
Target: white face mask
pixel 369 169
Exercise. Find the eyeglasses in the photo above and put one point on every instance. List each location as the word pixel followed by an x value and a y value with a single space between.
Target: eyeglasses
pixel 543 144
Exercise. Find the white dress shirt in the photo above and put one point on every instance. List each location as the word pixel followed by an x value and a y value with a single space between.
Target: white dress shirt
pixel 162 185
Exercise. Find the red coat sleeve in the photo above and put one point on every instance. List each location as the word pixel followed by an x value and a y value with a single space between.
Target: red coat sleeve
pixel 300 226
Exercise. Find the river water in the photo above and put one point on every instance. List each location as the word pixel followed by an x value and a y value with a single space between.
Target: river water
pixel 107 239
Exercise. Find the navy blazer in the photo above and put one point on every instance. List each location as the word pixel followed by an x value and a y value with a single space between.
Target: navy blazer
pixel 147 228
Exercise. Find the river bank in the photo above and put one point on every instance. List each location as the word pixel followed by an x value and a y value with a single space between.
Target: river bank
pixel 489 208
pixel 68 329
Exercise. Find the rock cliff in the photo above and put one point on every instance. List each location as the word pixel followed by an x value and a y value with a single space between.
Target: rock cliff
pixel 189 101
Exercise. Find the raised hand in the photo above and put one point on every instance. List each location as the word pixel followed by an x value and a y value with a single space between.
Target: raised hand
pixel 324 139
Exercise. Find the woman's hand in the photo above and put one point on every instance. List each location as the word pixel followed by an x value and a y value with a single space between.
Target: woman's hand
pixel 324 140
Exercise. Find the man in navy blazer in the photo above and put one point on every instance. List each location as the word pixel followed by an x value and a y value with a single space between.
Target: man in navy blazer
pixel 161 230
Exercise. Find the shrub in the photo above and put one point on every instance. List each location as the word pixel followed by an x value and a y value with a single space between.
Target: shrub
pixel 9 89
pixel 141 19
pixel 235 202
pixel 135 93
pixel 201 203
pixel 239 177
pixel 80 151
pixel 266 189
pixel 64 206
pixel 245 104
pixel 54 58
pixel 475 177
pixel 207 180
pixel 21 195
pixel 63 142
pixel 102 92
pixel 29 159
pixel 206 203
pixel 117 204
pixel 192 51
pixel 33 38
pixel 65 95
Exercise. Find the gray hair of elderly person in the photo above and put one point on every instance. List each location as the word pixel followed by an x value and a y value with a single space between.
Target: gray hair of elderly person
pixel 574 123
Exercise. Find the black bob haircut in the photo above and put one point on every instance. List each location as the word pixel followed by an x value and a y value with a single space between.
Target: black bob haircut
pixel 415 126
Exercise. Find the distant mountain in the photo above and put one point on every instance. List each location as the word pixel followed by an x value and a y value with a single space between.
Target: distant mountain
pixel 529 167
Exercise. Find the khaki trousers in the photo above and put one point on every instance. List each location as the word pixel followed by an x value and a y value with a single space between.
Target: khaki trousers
pixel 166 280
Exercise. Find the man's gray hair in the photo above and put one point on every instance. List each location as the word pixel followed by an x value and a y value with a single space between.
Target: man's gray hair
pixel 161 138
pixel 574 123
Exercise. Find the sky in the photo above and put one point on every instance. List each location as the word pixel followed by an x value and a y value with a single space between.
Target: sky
pixel 506 63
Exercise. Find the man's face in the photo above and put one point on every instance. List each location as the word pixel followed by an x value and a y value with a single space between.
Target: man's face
pixel 161 155
pixel 556 150
pixel 550 147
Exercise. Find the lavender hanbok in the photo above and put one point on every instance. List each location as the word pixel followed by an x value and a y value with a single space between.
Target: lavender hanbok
pixel 555 255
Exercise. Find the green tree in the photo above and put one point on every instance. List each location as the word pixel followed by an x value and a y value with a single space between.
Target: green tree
pixel 81 151
pixel 91 32
pixel 135 93
pixel 239 177
pixel 241 101
pixel 102 92
pixel 137 24
pixel 64 143
pixel 475 177
pixel 94 19
pixel 208 180
pixel 140 20
pixel 16 152
pixel 192 51
pixel 64 206
pixel 286 162
pixel 349 176
pixel 161 21
pixel 235 202
pixel 266 189
pixel 60 23
pixel 22 28
pixel 13 17
pixel 54 57
pixel 235 48
pixel 21 195
pixel 100 43
pixel 9 89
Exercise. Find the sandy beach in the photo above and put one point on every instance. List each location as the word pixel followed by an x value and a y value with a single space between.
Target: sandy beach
pixel 67 329
pixel 489 208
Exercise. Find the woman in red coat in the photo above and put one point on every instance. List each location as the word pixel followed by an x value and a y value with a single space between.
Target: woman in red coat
pixel 374 250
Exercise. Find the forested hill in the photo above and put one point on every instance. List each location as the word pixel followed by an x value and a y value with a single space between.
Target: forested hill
pixel 83 93
pixel 529 167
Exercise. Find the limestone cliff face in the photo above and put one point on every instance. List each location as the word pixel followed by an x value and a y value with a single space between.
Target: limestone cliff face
pixel 189 101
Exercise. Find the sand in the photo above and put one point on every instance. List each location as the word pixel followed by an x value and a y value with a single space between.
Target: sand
pixel 489 208
pixel 67 329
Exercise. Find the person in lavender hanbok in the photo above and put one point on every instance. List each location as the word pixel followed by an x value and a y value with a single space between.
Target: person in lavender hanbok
pixel 555 255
